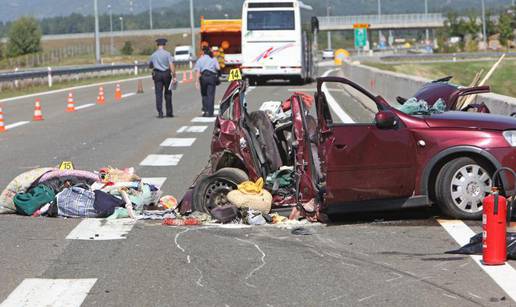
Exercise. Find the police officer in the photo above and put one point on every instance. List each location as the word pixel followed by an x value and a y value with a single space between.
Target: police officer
pixel 163 74
pixel 207 68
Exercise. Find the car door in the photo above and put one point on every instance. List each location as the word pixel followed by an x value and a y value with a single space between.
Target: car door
pixel 363 161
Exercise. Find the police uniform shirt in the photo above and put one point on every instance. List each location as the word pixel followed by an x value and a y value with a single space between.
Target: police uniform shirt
pixel 207 63
pixel 161 60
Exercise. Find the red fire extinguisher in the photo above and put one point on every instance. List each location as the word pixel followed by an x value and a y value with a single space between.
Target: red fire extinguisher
pixel 494 224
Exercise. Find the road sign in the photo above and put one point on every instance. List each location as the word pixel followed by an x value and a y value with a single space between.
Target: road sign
pixel 360 26
pixel 360 37
pixel 234 74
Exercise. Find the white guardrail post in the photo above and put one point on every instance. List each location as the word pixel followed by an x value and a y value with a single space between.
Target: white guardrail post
pixel 50 81
pixel 136 68
pixel 16 82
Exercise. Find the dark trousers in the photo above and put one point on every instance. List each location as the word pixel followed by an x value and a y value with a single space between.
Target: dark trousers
pixel 162 80
pixel 208 86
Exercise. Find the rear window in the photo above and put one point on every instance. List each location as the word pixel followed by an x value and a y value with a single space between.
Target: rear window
pixel 270 20
pixel 181 52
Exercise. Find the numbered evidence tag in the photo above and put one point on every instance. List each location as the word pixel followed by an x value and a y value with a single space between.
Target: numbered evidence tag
pixel 66 166
pixel 235 75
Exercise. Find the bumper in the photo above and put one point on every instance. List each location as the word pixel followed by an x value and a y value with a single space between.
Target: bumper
pixel 507 158
pixel 272 72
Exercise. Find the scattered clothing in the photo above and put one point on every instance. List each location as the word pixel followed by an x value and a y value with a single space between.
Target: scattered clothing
pixel 76 202
pixel 156 214
pixel 30 202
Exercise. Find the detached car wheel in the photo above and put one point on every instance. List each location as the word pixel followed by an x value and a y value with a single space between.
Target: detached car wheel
pixel 461 186
pixel 211 191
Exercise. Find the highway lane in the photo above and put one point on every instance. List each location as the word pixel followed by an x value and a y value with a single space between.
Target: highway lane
pixel 389 259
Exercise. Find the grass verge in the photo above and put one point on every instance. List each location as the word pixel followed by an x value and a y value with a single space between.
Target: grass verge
pixel 503 81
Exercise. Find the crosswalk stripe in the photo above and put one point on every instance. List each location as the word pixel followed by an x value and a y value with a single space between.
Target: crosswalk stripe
pixel 50 292
pixel 155 181
pixel 193 129
pixel 178 142
pixel 161 160
pixel 101 229
pixel 203 119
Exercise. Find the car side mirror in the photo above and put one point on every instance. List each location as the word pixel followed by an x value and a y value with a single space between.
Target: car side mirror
pixel 386 120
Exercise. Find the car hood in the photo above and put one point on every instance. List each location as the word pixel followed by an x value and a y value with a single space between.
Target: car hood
pixel 455 119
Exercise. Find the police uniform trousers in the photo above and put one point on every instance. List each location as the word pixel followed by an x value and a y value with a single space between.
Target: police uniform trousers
pixel 162 80
pixel 208 85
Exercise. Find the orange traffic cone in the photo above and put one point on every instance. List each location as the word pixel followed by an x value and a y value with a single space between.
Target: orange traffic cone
pixel 70 107
pixel 140 87
pixel 2 124
pixel 184 76
pixel 38 115
pixel 101 99
pixel 118 92
pixel 191 75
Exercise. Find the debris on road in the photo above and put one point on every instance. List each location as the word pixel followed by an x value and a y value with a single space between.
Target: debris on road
pixel 474 247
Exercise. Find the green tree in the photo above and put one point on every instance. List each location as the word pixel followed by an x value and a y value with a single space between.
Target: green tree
pixel 506 30
pixel 24 37
pixel 127 49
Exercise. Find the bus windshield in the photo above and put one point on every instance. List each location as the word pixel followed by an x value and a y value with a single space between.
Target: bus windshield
pixel 270 20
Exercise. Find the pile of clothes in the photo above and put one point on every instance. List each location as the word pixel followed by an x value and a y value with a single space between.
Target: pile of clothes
pixel 110 192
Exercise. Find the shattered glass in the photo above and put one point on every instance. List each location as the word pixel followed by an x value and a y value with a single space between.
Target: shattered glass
pixel 413 106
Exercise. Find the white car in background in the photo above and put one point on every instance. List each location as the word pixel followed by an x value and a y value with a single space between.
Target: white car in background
pixel 328 54
pixel 183 54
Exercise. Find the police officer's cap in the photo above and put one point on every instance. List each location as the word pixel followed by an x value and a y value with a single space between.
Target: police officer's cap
pixel 161 41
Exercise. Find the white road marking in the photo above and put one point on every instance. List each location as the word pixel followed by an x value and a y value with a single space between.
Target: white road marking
pixel 161 160
pixel 65 90
pixel 250 89
pixel 50 292
pixel 203 119
pixel 128 95
pixel 194 129
pixel 84 106
pixel 101 229
pixel 17 124
pixel 334 105
pixel 178 142
pixel 182 129
pixel 155 181
pixel 503 275
pixel 216 112
pixel 217 107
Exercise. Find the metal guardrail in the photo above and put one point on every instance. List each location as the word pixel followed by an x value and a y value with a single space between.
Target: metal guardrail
pixel 33 74
pixel 381 21
pixel 439 56
pixel 45 73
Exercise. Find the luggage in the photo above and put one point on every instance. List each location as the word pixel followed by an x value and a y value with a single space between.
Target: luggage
pixel 105 204
pixel 76 202
pixel 225 214
pixel 30 202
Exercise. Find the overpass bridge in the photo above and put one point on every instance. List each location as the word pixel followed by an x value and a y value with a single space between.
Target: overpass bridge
pixel 381 22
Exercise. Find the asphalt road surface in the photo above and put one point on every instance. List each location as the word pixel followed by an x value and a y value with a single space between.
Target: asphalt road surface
pixel 387 259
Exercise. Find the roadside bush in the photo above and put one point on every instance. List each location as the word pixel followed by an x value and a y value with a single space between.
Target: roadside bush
pixel 127 49
pixel 147 51
pixel 24 37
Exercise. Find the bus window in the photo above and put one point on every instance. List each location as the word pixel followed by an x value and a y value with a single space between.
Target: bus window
pixel 270 20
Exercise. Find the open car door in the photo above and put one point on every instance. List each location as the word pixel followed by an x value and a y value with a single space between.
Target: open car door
pixel 367 161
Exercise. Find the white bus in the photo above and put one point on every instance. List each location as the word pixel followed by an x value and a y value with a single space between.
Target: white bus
pixel 275 41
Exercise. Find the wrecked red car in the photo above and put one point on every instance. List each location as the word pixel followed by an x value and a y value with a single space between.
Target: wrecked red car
pixel 396 161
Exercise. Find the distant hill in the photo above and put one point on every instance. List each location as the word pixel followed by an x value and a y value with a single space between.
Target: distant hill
pixel 12 9
pixel 74 16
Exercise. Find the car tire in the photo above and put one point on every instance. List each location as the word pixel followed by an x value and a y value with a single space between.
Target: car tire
pixel 461 186
pixel 211 191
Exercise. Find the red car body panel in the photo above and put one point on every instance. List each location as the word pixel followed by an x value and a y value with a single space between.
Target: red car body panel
pixel 364 163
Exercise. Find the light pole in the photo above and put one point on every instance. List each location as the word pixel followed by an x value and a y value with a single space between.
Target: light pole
pixel 97 34
pixel 328 8
pixel 192 25
pixel 121 23
pixel 111 42
pixel 427 33
pixel 150 14
pixel 484 32
pixel 379 18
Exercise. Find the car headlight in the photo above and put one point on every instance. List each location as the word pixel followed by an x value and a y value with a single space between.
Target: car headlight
pixel 510 136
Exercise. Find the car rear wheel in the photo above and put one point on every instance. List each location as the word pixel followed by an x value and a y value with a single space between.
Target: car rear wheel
pixel 461 186
pixel 211 191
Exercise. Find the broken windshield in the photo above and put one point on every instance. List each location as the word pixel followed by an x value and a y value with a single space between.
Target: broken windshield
pixel 413 106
